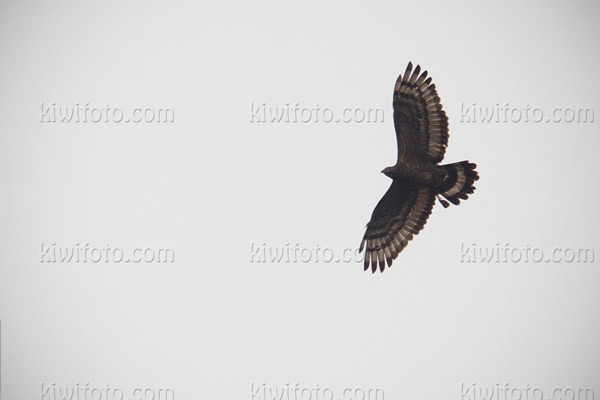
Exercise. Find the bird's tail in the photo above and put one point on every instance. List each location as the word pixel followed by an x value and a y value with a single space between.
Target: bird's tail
pixel 457 183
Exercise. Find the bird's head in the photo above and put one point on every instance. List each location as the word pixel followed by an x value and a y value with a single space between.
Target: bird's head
pixel 387 171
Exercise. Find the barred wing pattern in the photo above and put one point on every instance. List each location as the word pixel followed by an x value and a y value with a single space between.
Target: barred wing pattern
pixel 400 214
pixel 421 124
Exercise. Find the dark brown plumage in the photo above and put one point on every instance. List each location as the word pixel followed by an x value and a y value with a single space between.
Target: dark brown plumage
pixel 417 179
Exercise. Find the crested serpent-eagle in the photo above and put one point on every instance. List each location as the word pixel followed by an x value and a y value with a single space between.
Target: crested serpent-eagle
pixel 417 178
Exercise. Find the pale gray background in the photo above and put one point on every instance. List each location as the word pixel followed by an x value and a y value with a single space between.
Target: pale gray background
pixel 211 183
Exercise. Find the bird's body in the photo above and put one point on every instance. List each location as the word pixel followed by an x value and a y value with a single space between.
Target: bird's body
pixel 415 171
pixel 417 178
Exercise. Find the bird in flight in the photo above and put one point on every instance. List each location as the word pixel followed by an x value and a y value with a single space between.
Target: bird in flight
pixel 417 178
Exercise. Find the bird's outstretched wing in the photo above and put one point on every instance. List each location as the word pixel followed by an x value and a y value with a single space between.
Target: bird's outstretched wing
pixel 401 213
pixel 421 124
